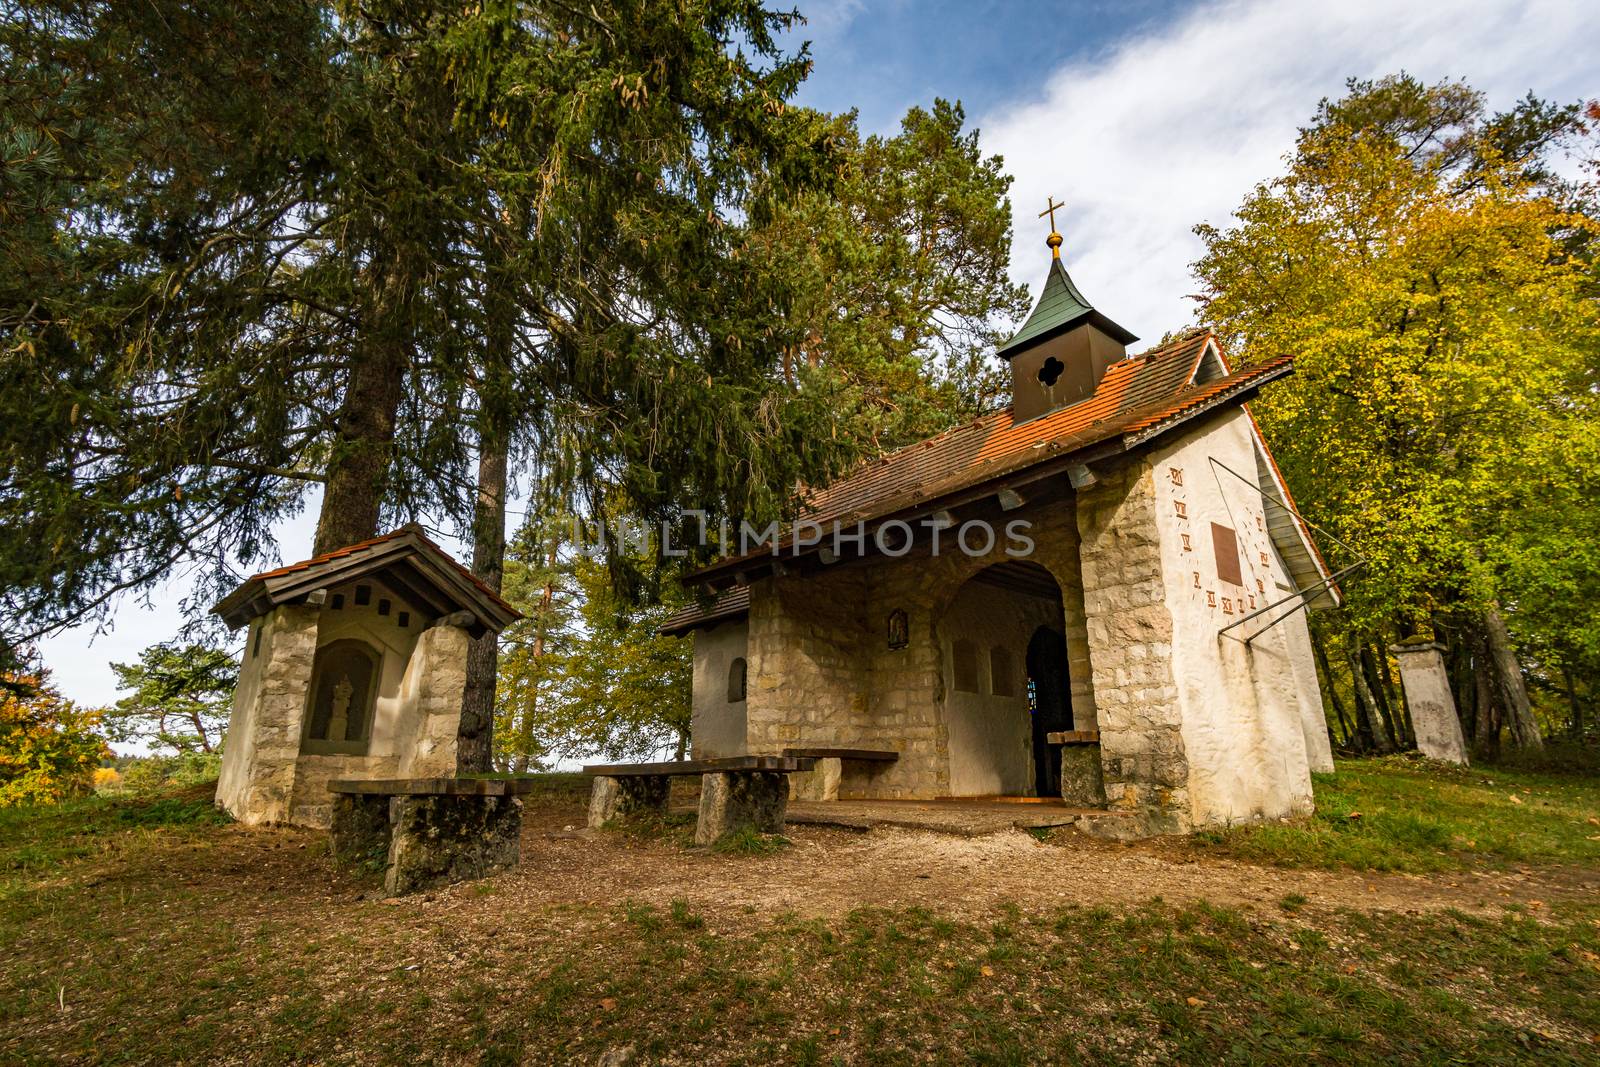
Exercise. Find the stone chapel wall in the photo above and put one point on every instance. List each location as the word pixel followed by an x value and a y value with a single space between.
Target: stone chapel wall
pixel 1243 732
pixel 1130 637
pixel 821 671
pixel 718 727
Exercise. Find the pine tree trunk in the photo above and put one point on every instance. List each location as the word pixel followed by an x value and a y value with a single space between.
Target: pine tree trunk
pixel 1367 707
pixel 363 446
pixel 1509 681
pixel 1333 693
pixel 1380 699
pixel 475 738
pixel 525 726
pixel 1575 722
pixel 1486 727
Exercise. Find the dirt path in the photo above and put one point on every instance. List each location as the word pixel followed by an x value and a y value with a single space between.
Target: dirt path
pixel 828 872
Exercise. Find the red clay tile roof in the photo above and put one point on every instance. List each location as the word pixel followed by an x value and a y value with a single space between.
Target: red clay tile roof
pixel 1136 399
pixel 1135 394
pixel 361 546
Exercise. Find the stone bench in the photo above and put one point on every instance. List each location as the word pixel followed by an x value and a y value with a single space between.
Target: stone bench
pixel 1082 780
pixel 823 783
pixel 736 793
pixel 428 831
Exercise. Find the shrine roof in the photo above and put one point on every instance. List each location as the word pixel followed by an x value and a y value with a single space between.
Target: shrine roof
pixel 406 557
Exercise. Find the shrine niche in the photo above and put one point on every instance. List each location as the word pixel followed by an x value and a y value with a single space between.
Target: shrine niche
pixel 344 682
pixel 354 668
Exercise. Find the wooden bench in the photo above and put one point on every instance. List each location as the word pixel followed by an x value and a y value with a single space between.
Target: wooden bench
pixel 737 792
pixel 428 831
pixel 824 782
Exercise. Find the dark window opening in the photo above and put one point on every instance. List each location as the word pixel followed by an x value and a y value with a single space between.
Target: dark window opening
pixel 1051 372
pixel 1002 676
pixel 964 666
pixel 255 646
pixel 338 601
pixel 363 595
pixel 383 607
pixel 405 619
pixel 736 680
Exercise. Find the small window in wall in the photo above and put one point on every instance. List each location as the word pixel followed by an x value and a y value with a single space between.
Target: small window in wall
pixel 344 688
pixel 736 681
pixel 1226 546
pixel 964 666
pixel 363 595
pixel 338 602
pixel 383 607
pixel 255 642
pixel 1002 675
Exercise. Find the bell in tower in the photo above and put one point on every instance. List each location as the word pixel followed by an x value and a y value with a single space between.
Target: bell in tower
pixel 1062 351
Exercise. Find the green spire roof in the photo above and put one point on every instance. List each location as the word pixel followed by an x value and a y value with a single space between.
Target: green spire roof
pixel 1060 306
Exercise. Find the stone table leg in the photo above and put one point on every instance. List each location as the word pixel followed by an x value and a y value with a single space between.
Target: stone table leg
pixel 732 801
pixel 619 798
pixel 819 783
pixel 360 829
pixel 439 840
pixel 1082 782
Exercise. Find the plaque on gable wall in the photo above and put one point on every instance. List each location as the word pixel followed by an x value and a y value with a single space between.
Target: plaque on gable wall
pixel 899 629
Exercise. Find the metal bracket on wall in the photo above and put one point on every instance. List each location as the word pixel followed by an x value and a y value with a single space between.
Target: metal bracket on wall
pixel 1302 597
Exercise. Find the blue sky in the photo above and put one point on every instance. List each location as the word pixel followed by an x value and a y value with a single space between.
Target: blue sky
pixel 1144 117
pixel 883 57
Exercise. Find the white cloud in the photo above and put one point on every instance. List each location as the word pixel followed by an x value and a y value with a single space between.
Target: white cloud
pixel 1174 127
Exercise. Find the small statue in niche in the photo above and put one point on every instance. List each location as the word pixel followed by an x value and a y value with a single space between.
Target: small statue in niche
pixel 339 720
pixel 899 631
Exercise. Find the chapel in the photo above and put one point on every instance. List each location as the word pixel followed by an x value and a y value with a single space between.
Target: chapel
pixel 1139 646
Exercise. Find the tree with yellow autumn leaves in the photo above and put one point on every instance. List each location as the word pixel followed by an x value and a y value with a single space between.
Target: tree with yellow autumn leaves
pixel 1433 276
pixel 48 745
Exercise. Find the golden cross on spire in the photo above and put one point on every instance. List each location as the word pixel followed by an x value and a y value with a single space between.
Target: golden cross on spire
pixel 1054 240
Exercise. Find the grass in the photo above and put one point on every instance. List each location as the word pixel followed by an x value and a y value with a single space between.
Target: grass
pixel 138 931
pixel 1406 814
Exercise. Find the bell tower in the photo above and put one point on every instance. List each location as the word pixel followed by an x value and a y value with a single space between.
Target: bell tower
pixel 1060 354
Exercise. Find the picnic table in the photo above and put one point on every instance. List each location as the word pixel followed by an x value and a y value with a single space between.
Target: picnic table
pixel 736 792
pixel 428 831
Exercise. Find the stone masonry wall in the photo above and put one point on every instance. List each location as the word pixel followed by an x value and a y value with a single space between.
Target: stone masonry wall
pixel 1130 650
pixel 257 784
pixel 806 675
pixel 821 671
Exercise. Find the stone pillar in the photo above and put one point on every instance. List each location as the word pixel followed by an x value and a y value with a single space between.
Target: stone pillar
pixel 258 773
pixel 360 829
pixel 1082 781
pixel 819 783
pixel 1130 650
pixel 621 797
pixel 733 801
pixel 436 680
pixel 439 840
pixel 1428 697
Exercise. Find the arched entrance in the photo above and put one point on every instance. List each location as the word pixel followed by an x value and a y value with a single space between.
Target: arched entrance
pixel 1050 703
pixel 994 678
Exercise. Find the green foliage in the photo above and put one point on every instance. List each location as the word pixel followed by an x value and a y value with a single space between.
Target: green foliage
pixel 150 775
pixel 1436 289
pixel 1406 814
pixel 586 673
pixel 181 697
pixel 900 276
pixel 48 746
pixel 274 246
